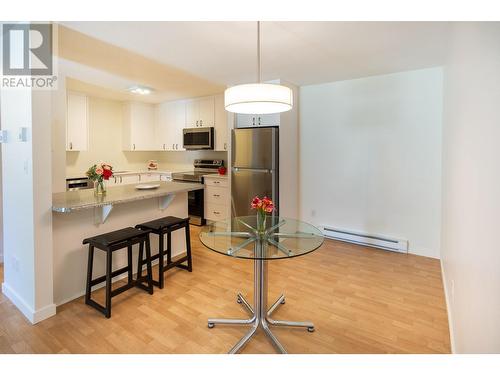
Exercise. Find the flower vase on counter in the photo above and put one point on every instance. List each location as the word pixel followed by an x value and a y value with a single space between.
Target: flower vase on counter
pixel 99 188
pixel 263 207
pixel 99 173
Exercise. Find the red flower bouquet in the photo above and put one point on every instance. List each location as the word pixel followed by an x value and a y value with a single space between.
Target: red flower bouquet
pixel 100 173
pixel 263 206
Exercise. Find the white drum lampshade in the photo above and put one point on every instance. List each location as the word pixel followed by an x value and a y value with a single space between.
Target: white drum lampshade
pixel 258 98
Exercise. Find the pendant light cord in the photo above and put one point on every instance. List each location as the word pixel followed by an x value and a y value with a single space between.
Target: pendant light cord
pixel 259 78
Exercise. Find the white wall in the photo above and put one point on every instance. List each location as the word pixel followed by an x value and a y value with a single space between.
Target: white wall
pixel 471 187
pixel 371 156
pixel 1 208
pixel 27 201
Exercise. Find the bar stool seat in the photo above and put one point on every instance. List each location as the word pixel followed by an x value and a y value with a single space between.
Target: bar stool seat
pixel 103 241
pixel 163 223
pixel 167 225
pixel 110 242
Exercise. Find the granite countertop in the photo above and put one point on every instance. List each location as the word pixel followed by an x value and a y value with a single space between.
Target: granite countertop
pixel 82 199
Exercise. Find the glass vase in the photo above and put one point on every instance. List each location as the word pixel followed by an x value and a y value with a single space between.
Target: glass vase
pixel 99 188
pixel 261 221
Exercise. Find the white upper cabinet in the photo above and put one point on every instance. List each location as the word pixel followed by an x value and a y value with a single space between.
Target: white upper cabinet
pixel 247 121
pixel 200 112
pixel 77 122
pixel 139 127
pixel 221 124
pixel 171 120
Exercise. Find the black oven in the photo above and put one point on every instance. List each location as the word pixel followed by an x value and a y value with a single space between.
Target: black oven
pixel 196 207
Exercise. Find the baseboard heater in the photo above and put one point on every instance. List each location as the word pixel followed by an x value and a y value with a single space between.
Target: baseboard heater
pixel 360 238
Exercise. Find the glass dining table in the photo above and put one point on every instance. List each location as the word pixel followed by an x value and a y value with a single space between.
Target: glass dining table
pixel 279 238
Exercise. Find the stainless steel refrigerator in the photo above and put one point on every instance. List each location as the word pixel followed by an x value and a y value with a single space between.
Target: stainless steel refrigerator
pixel 254 168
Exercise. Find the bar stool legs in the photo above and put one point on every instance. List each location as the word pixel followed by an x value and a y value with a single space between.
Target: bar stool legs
pixel 149 269
pixel 110 242
pixel 166 226
pixel 90 268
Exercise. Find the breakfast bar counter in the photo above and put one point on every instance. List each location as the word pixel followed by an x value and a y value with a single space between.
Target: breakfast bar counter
pixel 82 199
pixel 77 215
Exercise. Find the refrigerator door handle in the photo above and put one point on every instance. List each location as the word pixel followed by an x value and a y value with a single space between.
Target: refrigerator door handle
pixel 237 169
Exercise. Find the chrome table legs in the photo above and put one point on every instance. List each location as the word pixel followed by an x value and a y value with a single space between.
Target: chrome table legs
pixel 260 317
pixel 286 323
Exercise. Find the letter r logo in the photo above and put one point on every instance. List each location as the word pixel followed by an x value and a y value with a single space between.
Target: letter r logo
pixel 27 49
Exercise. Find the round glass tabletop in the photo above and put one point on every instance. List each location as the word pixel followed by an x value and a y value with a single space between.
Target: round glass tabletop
pixel 281 238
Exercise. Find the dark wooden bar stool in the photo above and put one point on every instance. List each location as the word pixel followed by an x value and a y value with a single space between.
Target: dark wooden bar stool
pixel 110 242
pixel 167 225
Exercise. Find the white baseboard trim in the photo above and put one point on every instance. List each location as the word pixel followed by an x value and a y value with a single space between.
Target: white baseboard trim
pixel 30 314
pixel 448 310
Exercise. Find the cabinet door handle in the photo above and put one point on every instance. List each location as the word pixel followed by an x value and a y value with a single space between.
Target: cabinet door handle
pixel 201 122
pixel 173 146
pixel 217 212
pixel 176 146
pixel 71 145
pixel 197 122
pixel 225 146
pixel 259 120
pixel 121 179
pixel 133 146
pixel 216 195
pixel 216 182
pixel 164 146
pixel 253 120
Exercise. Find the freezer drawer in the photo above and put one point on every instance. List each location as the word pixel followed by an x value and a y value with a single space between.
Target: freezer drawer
pixel 248 183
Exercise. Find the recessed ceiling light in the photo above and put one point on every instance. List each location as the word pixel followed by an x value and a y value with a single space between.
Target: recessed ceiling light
pixel 140 90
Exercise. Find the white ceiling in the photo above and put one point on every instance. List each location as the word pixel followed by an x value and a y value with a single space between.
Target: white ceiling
pixel 299 52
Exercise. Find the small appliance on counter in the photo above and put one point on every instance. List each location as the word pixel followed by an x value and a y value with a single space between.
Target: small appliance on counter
pixel 196 204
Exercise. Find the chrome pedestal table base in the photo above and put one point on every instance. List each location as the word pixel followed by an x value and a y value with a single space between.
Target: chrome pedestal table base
pixel 260 316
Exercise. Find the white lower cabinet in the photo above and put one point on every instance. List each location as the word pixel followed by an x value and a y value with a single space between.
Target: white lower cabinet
pixel 124 179
pixel 216 198
pixel 139 177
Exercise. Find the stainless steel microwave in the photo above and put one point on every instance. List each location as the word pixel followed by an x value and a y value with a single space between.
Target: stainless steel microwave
pixel 198 138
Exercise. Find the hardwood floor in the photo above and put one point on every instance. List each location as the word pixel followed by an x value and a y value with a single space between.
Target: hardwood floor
pixel 361 300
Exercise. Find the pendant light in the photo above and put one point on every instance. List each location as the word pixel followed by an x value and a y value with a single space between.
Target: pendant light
pixel 258 98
